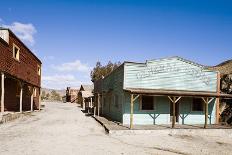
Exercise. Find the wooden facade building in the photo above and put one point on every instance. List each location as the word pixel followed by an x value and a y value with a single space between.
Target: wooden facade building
pixel 163 91
pixel 20 73
pixel 71 95
pixel 85 96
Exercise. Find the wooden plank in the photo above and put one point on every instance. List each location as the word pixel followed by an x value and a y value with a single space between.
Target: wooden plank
pixel 2 92
pixel 131 111
pixel 206 112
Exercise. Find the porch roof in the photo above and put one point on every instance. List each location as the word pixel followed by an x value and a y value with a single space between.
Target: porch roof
pixel 177 93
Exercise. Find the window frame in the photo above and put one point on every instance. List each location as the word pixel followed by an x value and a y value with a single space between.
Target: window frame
pixel 203 107
pixel 18 54
pixel 39 70
pixel 141 102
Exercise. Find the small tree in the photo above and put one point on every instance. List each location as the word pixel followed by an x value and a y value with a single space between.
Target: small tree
pixel 43 95
pixel 55 96
pixel 47 96
pixel 100 71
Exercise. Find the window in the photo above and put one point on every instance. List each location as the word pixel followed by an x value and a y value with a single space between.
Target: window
pixel 38 70
pixel 116 101
pixel 147 103
pixel 16 50
pixel 197 104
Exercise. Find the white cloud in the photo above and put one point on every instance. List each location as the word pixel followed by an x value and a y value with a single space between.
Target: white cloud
pixel 49 57
pixel 23 31
pixel 72 66
pixel 59 81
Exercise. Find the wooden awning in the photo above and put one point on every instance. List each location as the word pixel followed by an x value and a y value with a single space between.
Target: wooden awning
pixel 177 93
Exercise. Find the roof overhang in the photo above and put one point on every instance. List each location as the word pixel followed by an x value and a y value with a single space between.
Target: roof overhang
pixel 160 92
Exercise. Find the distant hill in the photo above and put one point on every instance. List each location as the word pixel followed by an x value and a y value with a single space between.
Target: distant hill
pixel 61 92
pixel 224 67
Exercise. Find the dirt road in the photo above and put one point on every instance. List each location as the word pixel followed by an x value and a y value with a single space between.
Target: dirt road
pixel 62 129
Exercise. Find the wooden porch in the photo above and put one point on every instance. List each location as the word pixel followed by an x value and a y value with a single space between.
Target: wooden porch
pixel 110 125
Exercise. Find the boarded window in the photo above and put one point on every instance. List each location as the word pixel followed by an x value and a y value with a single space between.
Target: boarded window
pixel 16 52
pixel 197 104
pixel 147 103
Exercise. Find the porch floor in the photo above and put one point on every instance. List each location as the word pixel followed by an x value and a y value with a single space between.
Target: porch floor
pixel 111 125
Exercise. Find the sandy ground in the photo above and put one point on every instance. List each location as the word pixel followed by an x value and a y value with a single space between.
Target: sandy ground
pixel 63 129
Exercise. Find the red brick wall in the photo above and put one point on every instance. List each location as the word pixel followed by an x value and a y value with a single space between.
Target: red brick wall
pixel 25 68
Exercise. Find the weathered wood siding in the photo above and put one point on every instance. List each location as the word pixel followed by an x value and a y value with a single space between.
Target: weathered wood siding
pixel 26 68
pixel 113 85
pixel 170 73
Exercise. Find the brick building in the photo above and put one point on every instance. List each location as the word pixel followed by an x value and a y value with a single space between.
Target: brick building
pixel 20 72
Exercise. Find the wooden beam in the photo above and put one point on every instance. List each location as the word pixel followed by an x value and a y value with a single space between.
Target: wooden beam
pixel 206 112
pixel 32 98
pixel 170 99
pixel 135 98
pixel 2 92
pixel 160 92
pixel 177 99
pixel 204 100
pixel 131 111
pixel 217 99
pixel 210 100
pixel 21 99
pixel 174 112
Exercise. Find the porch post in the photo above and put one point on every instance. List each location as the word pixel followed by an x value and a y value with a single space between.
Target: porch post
pixel 40 92
pixel 83 103
pixel 217 99
pixel 206 112
pixel 174 112
pixel 32 98
pixel 98 104
pixel 131 111
pixel 102 103
pixel 2 93
pixel 21 99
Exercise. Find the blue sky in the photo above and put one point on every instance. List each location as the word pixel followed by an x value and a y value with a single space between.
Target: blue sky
pixel 75 34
